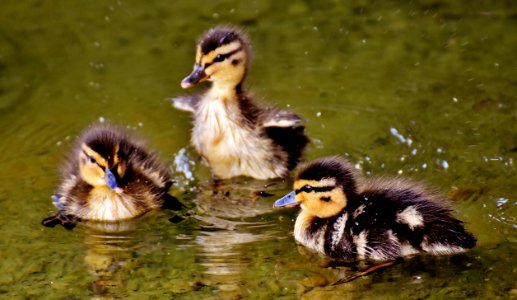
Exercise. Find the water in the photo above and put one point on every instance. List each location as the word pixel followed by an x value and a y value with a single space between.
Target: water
pixel 424 89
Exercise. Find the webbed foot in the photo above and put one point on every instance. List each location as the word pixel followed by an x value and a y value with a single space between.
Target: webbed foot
pixel 67 221
pixel 172 203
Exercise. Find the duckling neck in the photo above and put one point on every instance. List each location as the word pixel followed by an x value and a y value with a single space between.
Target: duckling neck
pixel 227 89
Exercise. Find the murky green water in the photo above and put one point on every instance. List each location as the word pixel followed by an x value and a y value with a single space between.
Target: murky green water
pixel 426 89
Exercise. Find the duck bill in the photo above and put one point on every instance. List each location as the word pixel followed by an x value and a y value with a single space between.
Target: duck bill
pixel 197 76
pixel 111 181
pixel 287 200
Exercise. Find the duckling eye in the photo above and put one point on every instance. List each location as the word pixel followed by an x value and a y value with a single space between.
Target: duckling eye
pixel 92 159
pixel 219 58
pixel 307 188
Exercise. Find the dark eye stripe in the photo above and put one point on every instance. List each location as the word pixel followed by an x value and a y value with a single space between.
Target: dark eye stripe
pixel 317 189
pixel 92 160
pixel 221 57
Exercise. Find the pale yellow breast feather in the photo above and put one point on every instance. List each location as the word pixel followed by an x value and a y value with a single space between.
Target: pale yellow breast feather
pixel 106 205
pixel 230 147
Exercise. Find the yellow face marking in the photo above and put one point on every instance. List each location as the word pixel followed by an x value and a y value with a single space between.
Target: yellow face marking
pixel 209 57
pixel 100 160
pixel 198 55
pixel 115 155
pixel 92 172
pixel 323 204
pixel 225 71
pixel 121 168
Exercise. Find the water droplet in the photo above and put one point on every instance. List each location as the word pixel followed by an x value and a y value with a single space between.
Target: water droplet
pixel 501 201
pixel 445 164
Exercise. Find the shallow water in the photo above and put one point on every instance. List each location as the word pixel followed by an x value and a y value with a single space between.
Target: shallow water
pixel 427 90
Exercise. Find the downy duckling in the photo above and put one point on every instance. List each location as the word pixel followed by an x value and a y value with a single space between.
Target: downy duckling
pixel 110 176
pixel 235 135
pixel 382 219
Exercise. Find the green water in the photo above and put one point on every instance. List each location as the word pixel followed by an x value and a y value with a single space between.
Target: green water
pixel 425 89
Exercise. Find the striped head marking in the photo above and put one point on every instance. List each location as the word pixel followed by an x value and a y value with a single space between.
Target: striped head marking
pixel 102 169
pixel 322 198
pixel 322 187
pixel 221 57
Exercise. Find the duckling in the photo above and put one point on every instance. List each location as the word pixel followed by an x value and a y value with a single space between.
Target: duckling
pixel 110 176
pixel 381 219
pixel 235 135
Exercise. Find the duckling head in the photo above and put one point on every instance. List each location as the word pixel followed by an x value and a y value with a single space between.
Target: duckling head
pixel 101 161
pixel 322 187
pixel 222 56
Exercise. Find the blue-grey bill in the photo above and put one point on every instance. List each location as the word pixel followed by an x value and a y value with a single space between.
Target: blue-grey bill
pixel 287 200
pixel 195 77
pixel 111 180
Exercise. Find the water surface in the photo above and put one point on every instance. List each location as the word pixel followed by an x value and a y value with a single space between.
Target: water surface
pixel 425 89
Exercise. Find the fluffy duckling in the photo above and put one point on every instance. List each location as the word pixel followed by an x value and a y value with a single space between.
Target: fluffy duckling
pixel 382 219
pixel 235 135
pixel 110 176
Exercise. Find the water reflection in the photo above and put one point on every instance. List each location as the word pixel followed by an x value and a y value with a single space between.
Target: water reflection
pixel 110 255
pixel 230 213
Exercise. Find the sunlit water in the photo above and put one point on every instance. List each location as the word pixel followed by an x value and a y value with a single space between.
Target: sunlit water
pixel 425 90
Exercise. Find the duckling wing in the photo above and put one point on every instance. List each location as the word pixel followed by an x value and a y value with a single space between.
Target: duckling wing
pixel 280 118
pixel 186 103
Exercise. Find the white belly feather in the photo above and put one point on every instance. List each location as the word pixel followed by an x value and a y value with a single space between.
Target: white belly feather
pixel 231 148
pixel 106 205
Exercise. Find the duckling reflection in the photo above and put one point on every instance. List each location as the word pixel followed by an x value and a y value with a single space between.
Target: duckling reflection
pixel 109 254
pixel 231 221
pixel 232 199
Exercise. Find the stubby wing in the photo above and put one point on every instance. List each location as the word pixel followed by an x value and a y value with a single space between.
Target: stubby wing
pixel 286 130
pixel 186 103
pixel 279 118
